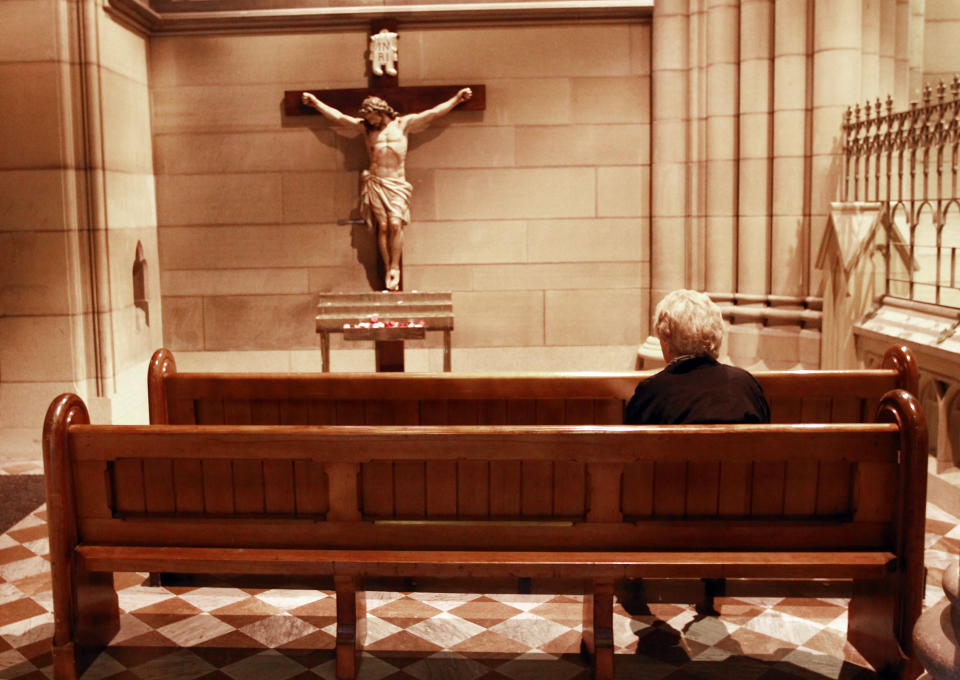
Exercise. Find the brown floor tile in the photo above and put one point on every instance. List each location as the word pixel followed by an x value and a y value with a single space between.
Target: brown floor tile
pixel 36 532
pixel 159 620
pixel 492 643
pixel 938 527
pixel 18 610
pixel 568 643
pixel 324 607
pixel 37 583
pixel 131 656
pixel 233 640
pixel 251 606
pixel 219 653
pixel 566 613
pixel 241 620
pixel 404 612
pixel 751 643
pixel 819 612
pixel 485 611
pixel 404 642
pixel 318 641
pixel 33 675
pixel 15 553
pixel 38 653
pixel 318 621
pixel 151 639
pixel 828 641
pixel 309 657
pixel 128 579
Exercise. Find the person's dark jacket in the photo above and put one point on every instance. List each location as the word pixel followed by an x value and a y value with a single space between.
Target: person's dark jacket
pixel 698 390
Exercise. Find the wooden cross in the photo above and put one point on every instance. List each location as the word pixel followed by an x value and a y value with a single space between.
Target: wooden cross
pixel 405 100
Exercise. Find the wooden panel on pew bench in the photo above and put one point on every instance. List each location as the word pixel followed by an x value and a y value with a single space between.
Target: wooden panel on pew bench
pixel 506 477
pixel 483 489
pixel 473 489
pixel 206 487
pixel 703 489
pixel 736 481
pixel 410 489
pixel 209 411
pixel 188 486
pixel 800 493
pixel 294 412
pixel 237 412
pixel 441 489
pixel 218 486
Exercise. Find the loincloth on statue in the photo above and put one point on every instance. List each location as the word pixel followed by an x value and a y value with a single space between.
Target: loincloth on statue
pixel 384 197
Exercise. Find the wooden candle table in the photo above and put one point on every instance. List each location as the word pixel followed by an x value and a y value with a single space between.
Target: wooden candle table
pixel 384 318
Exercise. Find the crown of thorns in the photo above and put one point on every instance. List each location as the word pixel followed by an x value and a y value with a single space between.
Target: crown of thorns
pixel 377 105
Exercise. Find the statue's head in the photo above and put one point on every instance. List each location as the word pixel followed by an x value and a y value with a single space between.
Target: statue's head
pixel 377 106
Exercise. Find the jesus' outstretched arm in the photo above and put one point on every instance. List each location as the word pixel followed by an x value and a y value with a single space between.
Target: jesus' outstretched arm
pixel 337 117
pixel 416 122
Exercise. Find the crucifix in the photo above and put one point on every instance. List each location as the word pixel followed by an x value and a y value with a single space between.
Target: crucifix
pixel 387 114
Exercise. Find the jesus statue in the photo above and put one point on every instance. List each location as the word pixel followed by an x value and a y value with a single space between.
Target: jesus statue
pixel 384 189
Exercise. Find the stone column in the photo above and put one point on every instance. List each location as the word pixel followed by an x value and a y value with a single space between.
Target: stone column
pixel 723 84
pixel 836 82
pixel 695 238
pixel 755 146
pixel 936 633
pixel 790 144
pixel 888 47
pixel 902 94
pixel 870 50
pixel 668 172
pixel 669 147
pixel 915 49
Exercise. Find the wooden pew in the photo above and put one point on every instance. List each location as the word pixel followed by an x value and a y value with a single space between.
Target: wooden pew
pixel 593 503
pixel 489 399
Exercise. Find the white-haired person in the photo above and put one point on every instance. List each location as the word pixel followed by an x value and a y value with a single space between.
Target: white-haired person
pixel 694 388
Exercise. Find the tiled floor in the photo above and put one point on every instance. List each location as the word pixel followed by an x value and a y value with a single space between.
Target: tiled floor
pixel 220 633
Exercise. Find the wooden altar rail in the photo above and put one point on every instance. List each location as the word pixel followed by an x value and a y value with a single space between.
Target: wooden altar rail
pixel 488 399
pixel 595 504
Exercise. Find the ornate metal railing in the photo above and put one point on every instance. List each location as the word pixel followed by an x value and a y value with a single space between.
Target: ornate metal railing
pixel 909 161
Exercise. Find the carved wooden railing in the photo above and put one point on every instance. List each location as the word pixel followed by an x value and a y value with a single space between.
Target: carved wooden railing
pixel 908 160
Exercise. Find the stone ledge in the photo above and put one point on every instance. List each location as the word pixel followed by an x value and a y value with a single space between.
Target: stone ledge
pixel 214 16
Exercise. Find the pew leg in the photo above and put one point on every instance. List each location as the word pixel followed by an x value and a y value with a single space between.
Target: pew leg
pixel 712 589
pixel 872 627
pixel 351 625
pixel 598 629
pixel 92 621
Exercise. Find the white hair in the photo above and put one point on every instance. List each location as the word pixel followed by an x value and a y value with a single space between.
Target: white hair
pixel 689 323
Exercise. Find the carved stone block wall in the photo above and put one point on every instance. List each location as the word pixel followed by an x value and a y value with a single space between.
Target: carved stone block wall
pixel 78 200
pixel 533 212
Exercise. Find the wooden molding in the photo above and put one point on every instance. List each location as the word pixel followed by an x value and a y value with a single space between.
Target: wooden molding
pixel 156 17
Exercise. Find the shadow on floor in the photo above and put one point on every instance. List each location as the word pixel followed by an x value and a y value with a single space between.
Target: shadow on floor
pixel 19 496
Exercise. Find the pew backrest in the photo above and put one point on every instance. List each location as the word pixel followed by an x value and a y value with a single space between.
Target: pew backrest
pixel 486 399
pixel 544 487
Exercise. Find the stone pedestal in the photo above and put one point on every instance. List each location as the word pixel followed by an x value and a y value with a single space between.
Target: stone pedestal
pixel 936 632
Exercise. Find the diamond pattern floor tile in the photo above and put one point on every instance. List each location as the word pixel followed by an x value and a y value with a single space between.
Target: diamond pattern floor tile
pixel 256 634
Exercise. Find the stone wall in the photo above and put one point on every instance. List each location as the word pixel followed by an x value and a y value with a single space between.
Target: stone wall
pixel 533 212
pixel 130 217
pixel 77 197
pixel 941 49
